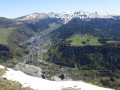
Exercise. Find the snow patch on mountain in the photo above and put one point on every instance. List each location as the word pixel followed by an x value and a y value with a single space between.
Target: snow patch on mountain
pixel 67 16
pixel 2 67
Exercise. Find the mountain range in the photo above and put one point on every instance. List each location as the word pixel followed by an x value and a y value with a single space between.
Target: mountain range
pixel 67 16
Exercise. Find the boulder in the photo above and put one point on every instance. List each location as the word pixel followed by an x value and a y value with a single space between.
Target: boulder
pixel 55 78
pixel 29 69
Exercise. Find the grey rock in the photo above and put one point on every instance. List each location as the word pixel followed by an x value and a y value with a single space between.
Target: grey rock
pixel 10 64
pixel 29 69
pixel 118 88
pixel 55 78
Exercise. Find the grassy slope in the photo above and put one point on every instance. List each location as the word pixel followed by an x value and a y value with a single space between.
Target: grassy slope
pixel 4 33
pixel 78 39
pixel 9 85
pixel 52 26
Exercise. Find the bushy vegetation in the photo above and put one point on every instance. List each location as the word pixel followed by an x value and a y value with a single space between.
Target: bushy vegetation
pixel 111 82
pixel 4 53
pixel 46 56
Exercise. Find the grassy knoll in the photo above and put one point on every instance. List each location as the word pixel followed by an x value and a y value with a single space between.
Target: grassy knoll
pixel 4 33
pixel 83 40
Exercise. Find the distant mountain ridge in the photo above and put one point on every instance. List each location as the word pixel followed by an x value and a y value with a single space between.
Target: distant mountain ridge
pixel 67 16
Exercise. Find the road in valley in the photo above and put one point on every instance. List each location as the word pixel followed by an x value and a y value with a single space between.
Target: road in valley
pixel 37 46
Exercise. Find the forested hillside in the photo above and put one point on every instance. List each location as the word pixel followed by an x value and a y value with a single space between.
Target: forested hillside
pixel 103 57
pixel 102 28
pixel 86 44
pixel 91 46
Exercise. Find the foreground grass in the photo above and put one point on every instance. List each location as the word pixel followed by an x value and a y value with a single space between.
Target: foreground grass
pixel 83 40
pixel 4 33
pixel 2 71
pixel 105 82
pixel 10 85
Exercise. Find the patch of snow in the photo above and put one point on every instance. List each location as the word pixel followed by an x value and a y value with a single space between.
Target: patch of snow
pixel 2 67
pixel 42 84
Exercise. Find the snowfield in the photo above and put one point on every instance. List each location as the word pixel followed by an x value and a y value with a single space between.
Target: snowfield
pixel 42 84
pixel 2 67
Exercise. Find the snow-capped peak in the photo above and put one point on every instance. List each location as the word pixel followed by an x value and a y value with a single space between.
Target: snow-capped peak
pixel 68 15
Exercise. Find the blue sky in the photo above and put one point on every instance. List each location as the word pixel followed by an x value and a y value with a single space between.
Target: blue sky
pixel 17 8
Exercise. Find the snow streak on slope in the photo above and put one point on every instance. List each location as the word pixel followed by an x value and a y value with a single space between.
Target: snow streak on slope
pixel 2 67
pixel 42 84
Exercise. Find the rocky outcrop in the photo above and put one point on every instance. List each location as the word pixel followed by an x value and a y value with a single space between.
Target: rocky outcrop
pixel 30 70
pixel 10 64
pixel 55 78
pixel 61 77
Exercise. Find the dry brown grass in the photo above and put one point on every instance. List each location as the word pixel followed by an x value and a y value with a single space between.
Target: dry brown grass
pixel 2 71
pixel 10 85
